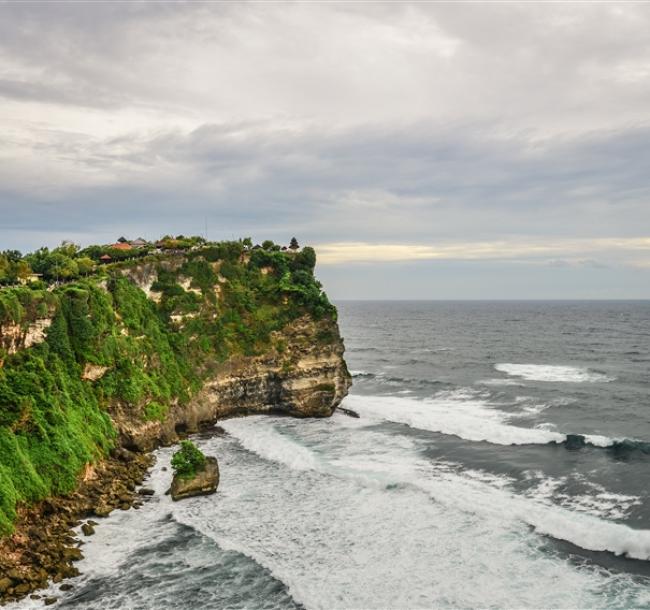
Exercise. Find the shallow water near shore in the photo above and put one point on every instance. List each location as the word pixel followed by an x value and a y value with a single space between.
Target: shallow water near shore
pixel 454 488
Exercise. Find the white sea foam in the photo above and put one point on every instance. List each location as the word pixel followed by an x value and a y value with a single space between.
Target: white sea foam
pixel 460 414
pixel 596 500
pixel 473 492
pixel 554 373
pixel 351 524
pixel 466 415
pixel 501 382
pixel 582 529
pixel 600 441
pixel 534 409
pixel 269 444
pixel 360 532
pixel 465 491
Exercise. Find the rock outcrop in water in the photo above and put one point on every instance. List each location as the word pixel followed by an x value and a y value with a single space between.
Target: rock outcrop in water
pixel 574 442
pixel 203 483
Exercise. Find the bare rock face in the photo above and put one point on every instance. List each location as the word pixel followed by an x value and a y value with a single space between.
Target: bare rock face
pixel 204 483
pixel 93 372
pixel 303 375
pixel 15 337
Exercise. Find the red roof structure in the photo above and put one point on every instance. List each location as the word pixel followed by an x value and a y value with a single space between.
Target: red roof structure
pixel 121 246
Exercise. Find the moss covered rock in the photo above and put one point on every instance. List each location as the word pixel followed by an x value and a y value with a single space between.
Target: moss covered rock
pixel 203 483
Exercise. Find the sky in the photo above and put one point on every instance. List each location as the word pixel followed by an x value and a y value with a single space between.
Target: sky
pixel 426 150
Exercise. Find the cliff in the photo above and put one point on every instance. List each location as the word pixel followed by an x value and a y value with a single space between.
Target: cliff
pixel 145 351
pixel 302 374
pixel 25 316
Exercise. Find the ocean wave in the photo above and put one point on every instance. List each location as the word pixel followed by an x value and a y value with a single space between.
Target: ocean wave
pixel 392 380
pixel 266 442
pixel 469 416
pixel 594 499
pixel 414 361
pixel 627 447
pixel 577 527
pixel 459 414
pixel 552 373
pixel 501 382
pixel 431 350
pixel 362 375
pixel 466 492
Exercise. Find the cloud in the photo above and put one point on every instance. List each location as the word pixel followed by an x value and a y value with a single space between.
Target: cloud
pixel 336 63
pixel 408 131
pixel 386 185
pixel 513 250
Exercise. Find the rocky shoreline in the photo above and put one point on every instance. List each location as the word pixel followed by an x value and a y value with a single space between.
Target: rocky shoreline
pixel 44 547
pixel 302 374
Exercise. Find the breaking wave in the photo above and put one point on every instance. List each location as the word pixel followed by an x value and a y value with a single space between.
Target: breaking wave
pixel 455 490
pixel 472 418
pixel 552 373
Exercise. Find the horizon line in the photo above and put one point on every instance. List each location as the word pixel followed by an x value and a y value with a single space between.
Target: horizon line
pixel 494 300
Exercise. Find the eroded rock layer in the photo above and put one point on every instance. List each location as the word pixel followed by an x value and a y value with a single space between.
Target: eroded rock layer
pixel 304 375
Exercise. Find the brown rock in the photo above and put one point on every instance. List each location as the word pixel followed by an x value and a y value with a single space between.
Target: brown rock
pixel 102 510
pixel 93 372
pixel 5 583
pixel 48 601
pixel 124 455
pixel 87 529
pixel 205 482
pixel 72 554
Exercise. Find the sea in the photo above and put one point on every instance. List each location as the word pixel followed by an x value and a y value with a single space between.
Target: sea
pixel 456 487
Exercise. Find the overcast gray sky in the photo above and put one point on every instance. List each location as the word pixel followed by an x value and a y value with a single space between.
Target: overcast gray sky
pixel 441 150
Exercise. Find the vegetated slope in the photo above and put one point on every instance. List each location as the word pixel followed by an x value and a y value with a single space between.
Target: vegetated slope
pixel 135 341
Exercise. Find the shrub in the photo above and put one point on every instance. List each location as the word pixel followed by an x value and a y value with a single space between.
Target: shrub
pixel 155 411
pixel 187 460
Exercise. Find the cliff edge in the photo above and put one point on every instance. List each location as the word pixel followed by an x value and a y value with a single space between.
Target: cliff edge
pixel 144 350
pixel 302 374
pixel 98 371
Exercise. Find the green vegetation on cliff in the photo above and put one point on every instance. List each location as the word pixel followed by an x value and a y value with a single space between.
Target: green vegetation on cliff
pixel 213 300
pixel 187 460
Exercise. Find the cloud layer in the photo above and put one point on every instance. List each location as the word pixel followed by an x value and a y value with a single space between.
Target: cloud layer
pixel 382 132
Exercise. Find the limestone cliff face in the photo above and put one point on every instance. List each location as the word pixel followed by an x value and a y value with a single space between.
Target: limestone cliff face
pixel 303 375
pixel 301 371
pixel 14 337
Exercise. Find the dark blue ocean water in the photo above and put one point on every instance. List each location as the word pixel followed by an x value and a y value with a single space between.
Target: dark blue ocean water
pixel 455 487
pixel 541 369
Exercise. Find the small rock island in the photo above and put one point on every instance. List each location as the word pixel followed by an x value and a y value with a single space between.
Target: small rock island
pixel 194 473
